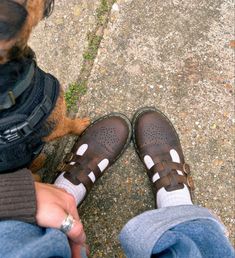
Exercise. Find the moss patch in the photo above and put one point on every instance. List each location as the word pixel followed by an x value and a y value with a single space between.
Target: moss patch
pixel 73 93
pixel 102 11
pixel 93 46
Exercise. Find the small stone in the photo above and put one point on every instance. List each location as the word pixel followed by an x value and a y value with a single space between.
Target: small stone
pixel 77 11
pixel 214 126
pixel 217 162
pixel 115 7
pixel 232 43
pixel 59 21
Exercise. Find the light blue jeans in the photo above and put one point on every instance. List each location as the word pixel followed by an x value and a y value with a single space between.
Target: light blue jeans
pixel 186 231
pixel 180 231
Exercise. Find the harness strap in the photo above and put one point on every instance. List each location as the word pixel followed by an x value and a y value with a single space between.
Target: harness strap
pixel 45 107
pixel 8 99
pixel 31 122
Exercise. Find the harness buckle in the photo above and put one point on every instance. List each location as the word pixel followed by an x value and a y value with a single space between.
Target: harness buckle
pixel 15 133
pixel 12 137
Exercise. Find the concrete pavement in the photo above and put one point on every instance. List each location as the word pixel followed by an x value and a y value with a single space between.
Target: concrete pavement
pixel 177 56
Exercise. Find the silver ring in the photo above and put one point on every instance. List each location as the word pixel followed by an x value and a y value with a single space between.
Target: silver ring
pixel 67 224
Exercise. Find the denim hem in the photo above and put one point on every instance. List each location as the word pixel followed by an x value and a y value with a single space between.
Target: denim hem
pixel 141 233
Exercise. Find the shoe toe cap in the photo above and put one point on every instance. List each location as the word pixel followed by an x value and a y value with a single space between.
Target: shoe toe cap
pixel 152 127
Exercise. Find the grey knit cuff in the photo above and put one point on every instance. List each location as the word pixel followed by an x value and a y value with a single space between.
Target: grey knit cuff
pixel 17 196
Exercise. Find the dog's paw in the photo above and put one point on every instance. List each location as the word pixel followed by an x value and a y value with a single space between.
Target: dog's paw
pixel 86 121
pixel 81 125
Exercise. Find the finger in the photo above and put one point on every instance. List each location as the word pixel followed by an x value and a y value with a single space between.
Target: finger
pixel 56 217
pixel 66 204
pixel 79 251
pixel 77 234
pixel 53 211
pixel 76 250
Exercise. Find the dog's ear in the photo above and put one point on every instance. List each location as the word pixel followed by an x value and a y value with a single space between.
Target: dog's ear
pixel 13 16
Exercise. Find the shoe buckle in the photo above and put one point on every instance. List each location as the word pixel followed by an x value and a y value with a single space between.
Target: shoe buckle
pixel 186 169
pixel 190 183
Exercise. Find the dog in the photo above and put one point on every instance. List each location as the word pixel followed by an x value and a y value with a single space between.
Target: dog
pixel 18 68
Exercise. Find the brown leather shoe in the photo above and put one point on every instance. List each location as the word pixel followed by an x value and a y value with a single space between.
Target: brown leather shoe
pixel 154 136
pixel 102 143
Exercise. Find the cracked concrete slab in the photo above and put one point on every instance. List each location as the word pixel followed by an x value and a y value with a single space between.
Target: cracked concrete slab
pixel 177 56
pixel 60 40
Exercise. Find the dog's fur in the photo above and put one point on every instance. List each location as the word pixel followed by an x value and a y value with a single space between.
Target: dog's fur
pixel 17 19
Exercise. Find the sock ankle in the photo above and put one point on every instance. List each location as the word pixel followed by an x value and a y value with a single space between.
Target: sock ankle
pixel 173 198
pixel 77 191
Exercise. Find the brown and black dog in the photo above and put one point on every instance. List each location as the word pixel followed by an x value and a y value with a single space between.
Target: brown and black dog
pixel 17 19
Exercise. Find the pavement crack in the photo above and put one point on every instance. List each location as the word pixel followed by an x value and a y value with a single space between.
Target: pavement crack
pixel 78 88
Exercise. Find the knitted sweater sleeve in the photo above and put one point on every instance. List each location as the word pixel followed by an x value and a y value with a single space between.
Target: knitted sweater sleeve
pixel 17 196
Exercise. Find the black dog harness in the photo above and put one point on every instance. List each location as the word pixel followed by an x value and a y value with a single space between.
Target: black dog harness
pixel 24 108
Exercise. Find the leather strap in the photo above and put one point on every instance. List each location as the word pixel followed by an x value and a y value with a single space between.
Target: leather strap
pixel 173 180
pixel 169 177
pixel 83 166
pixel 168 165
pixel 85 179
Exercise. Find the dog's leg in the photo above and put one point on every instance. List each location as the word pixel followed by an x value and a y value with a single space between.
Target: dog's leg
pixel 37 163
pixel 64 125
pixel 77 126
pixel 68 126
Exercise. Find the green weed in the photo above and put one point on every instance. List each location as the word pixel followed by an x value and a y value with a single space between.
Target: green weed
pixel 73 93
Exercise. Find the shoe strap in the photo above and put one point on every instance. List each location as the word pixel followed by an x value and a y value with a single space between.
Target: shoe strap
pixel 167 166
pixel 169 178
pixel 174 181
pixel 78 173
pixel 81 177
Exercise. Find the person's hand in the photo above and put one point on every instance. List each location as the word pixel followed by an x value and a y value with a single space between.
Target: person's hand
pixel 53 205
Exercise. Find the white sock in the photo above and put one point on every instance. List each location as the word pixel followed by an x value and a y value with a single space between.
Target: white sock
pixel 79 191
pixel 173 198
